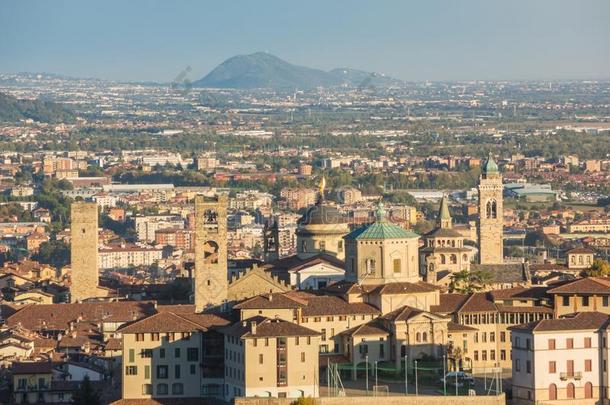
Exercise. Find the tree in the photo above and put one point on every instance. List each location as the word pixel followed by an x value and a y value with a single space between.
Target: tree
pixel 467 282
pixel 54 252
pixel 599 268
pixel 86 394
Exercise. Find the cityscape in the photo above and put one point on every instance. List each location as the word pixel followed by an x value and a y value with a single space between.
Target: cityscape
pixel 262 231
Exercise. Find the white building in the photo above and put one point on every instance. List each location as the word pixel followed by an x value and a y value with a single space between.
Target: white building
pixel 146 226
pixel 124 256
pixel 561 361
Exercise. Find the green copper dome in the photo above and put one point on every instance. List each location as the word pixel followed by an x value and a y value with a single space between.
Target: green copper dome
pixel 381 229
pixel 490 165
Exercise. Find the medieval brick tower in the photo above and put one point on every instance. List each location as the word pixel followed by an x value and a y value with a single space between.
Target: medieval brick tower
pixel 211 279
pixel 83 251
pixel 491 217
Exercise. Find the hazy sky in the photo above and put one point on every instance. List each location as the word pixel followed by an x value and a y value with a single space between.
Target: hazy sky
pixel 411 40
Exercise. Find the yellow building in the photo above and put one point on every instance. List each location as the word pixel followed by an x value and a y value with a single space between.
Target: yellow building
pixel 271 358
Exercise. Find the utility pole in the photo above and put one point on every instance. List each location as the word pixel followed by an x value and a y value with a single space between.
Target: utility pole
pixel 444 376
pixel 406 375
pixel 366 364
pixel 416 387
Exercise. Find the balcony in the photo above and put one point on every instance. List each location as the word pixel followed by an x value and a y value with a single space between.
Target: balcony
pixel 571 376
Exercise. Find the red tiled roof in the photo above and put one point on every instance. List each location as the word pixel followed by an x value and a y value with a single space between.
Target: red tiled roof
pixel 588 285
pixel 578 321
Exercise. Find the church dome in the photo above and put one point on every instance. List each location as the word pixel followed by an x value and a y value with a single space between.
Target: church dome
pixel 321 214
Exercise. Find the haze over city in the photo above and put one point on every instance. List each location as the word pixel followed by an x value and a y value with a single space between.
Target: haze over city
pixel 432 40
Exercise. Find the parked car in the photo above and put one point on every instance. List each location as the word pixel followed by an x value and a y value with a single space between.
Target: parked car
pixel 463 379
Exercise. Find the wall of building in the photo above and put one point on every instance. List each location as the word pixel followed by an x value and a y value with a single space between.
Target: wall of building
pixel 390 400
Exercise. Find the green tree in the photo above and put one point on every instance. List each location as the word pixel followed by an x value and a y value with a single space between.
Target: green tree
pixel 86 394
pixel 467 282
pixel 599 268
pixel 54 252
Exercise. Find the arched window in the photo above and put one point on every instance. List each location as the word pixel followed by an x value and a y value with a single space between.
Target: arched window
pixel 425 337
pixel 570 391
pixel 453 259
pixel 418 337
pixel 443 260
pixel 588 390
pixel 177 388
pixel 465 258
pixel 552 392
pixel 491 209
pixel 304 246
pixel 161 389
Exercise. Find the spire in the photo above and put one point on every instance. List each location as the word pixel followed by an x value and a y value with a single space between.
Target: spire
pixel 444 217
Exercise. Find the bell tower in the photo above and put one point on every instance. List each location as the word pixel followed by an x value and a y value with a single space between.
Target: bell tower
pixel 271 240
pixel 491 217
pixel 211 279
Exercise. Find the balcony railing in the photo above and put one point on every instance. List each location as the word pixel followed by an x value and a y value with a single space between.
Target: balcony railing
pixel 570 376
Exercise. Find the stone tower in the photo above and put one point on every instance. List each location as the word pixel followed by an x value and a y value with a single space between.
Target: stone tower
pixel 271 240
pixel 491 218
pixel 210 281
pixel 444 217
pixel 83 251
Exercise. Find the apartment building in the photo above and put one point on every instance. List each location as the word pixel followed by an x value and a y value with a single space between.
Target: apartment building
pixel 561 360
pixel 164 356
pixel 124 256
pixel 589 294
pixel 146 226
pixel 271 358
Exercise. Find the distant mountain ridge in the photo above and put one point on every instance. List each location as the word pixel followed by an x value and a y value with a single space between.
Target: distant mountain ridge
pixel 263 70
pixel 13 109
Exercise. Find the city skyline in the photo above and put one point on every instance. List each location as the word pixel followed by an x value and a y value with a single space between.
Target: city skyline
pixel 439 40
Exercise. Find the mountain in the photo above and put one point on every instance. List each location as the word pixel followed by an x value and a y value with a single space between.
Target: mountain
pixel 263 70
pixel 13 109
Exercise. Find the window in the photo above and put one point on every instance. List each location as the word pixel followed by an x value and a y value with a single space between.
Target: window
pixel 370 266
pixel 260 359
pixel 605 300
pixel 192 354
pixel 570 391
pixel 161 389
pixel 528 366
pixel 585 301
pixel 492 355
pixel 570 368
pixel 492 336
pixel 131 370
pixel 154 337
pixel 162 353
pixel 322 245
pixel 587 342
pixel 569 343
pixel 177 371
pixel 517 365
pixel 381 350
pixel 587 365
pixel 146 389
pixel 177 389
pixel 502 336
pixel 162 372
pixel 565 301
pixel 396 265
pixel 146 353
pixel 132 355
pixel 502 354
pixel 484 355
pixel 147 372
pixel 552 367
pixel 177 352
pixel 302 357
pixel 552 392
pixel 551 344
pixel 476 355
pixel 588 390
pixel 491 209
pixel 193 369
pixel 139 337
pixel 323 334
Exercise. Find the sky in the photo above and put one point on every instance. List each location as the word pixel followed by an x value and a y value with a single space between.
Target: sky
pixel 154 40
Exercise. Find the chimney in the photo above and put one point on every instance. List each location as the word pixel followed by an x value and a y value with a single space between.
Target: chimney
pixel 270 297
pixel 253 327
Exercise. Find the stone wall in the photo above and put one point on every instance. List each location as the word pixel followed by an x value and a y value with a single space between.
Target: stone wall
pixel 389 400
